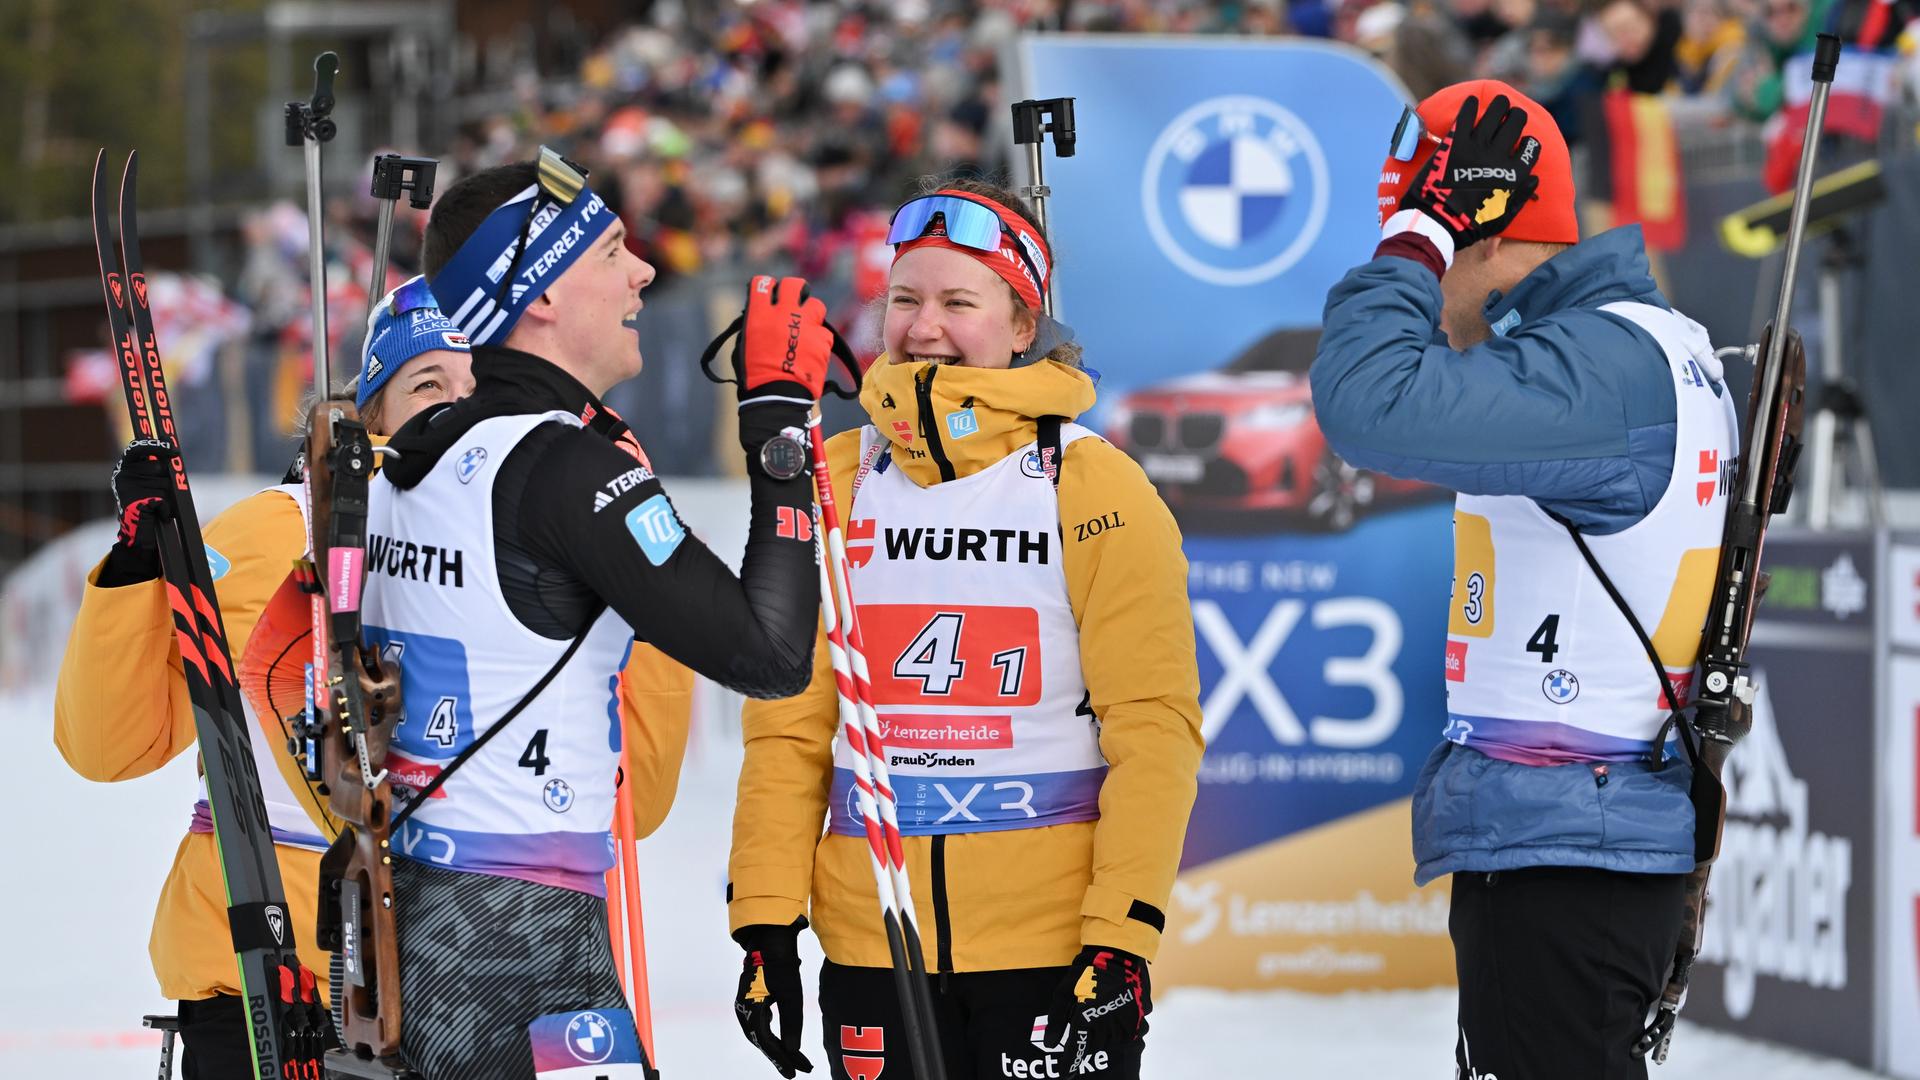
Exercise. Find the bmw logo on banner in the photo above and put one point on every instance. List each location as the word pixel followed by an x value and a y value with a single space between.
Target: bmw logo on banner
pixel 1219 188
pixel 1235 190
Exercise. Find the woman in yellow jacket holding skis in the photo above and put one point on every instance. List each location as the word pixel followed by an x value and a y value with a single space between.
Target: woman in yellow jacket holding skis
pixel 123 662
pixel 1022 594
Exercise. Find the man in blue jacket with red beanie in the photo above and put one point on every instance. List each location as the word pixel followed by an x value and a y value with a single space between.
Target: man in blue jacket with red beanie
pixel 1583 421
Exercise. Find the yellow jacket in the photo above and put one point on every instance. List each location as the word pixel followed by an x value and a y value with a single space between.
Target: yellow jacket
pixel 122 658
pixel 1019 898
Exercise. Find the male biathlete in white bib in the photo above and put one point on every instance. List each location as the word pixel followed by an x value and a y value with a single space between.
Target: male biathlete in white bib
pixel 1488 349
pixel 516 548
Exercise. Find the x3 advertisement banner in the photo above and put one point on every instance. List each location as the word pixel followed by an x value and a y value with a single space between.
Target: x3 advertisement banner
pixel 1220 188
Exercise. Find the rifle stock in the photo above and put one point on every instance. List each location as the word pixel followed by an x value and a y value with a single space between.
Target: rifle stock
pixel 359 706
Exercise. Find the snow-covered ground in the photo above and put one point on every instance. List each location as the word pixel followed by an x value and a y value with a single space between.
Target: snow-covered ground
pixel 86 861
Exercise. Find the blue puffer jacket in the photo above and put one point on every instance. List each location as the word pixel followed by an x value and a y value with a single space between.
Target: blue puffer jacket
pixel 1570 406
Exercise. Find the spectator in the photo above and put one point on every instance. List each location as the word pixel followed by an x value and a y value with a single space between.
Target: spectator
pixel 1429 50
pixel 1506 60
pixel 1710 47
pixel 1784 27
pixel 1644 40
pixel 1555 77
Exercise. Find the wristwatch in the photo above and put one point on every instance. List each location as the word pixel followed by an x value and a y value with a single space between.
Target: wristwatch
pixel 784 456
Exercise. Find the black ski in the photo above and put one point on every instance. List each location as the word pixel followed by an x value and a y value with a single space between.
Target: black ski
pixel 286 1025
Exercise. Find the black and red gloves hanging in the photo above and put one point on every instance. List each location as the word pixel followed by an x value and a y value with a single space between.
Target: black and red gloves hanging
pixel 770 982
pixel 1102 1004
pixel 1480 176
pixel 142 480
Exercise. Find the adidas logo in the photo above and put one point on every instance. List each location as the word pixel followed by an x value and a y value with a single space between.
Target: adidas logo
pixel 374 368
pixel 619 486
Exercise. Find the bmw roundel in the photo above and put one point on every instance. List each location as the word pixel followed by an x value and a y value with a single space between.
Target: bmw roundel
pixel 590 1037
pixel 1560 686
pixel 1235 190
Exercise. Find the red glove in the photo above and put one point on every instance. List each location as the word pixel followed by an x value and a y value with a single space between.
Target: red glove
pixel 785 346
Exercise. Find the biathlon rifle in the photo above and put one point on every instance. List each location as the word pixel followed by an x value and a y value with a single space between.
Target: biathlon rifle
pixel 354 701
pixel 1763 482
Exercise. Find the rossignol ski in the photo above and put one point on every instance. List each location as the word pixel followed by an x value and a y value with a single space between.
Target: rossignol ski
pixel 1763 482
pixel 286 1024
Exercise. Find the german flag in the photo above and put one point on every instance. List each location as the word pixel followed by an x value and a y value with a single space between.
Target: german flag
pixel 1645 158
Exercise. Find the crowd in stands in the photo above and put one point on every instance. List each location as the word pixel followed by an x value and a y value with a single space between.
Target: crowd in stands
pixel 776 135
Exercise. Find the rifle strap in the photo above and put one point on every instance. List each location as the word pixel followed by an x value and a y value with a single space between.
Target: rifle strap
pixel 1047 436
pixel 1675 722
pixel 493 729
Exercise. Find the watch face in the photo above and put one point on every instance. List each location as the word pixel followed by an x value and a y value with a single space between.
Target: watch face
pixel 783 457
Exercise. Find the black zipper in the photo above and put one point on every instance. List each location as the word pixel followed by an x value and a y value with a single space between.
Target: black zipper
pixel 942 922
pixel 923 389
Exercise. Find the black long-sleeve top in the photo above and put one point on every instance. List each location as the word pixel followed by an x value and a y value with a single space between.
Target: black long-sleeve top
pixel 565 553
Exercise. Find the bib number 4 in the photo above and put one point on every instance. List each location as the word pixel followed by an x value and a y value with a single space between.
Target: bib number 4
pixel 933 655
pixel 1544 640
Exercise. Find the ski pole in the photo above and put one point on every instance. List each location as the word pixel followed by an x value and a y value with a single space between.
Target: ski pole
pixel 309 124
pixel 639 995
pixel 394 175
pixel 1032 120
pixel 860 726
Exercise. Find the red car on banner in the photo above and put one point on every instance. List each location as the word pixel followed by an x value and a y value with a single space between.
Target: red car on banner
pixel 1243 439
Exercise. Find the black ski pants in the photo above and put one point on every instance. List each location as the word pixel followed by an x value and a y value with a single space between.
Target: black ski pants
pixel 987 1027
pixel 1559 968
pixel 213 1039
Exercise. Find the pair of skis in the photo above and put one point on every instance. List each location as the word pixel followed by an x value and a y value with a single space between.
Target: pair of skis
pixel 286 1023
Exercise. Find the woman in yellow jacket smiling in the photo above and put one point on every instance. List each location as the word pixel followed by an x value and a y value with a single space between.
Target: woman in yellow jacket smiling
pixel 122 662
pixel 1023 597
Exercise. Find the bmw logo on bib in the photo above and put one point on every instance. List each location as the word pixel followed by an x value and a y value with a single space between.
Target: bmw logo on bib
pixel 1235 190
pixel 1560 686
pixel 590 1038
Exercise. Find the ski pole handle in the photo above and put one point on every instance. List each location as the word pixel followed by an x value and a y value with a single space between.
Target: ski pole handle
pixel 1033 120
pixel 394 175
pixel 309 124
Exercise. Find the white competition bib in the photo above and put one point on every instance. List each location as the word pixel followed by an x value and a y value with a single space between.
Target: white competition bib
pixel 1541 666
pixel 973 650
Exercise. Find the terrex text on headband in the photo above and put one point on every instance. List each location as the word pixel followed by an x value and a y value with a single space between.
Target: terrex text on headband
pixel 520 250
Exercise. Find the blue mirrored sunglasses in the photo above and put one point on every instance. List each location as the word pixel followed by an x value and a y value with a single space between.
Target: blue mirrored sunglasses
pixel 968 223
pixel 1408 134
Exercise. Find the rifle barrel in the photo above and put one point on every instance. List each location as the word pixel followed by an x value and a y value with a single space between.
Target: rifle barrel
pixel 1826 58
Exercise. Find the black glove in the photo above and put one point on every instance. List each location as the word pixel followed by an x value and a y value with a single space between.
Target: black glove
pixel 1479 177
pixel 1101 1004
pixel 770 979
pixel 142 481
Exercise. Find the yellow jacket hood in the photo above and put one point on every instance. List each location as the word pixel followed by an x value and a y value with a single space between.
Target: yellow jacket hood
pixel 947 421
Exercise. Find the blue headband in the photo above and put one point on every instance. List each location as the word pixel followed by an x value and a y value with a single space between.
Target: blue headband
pixel 559 216
pixel 406 323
